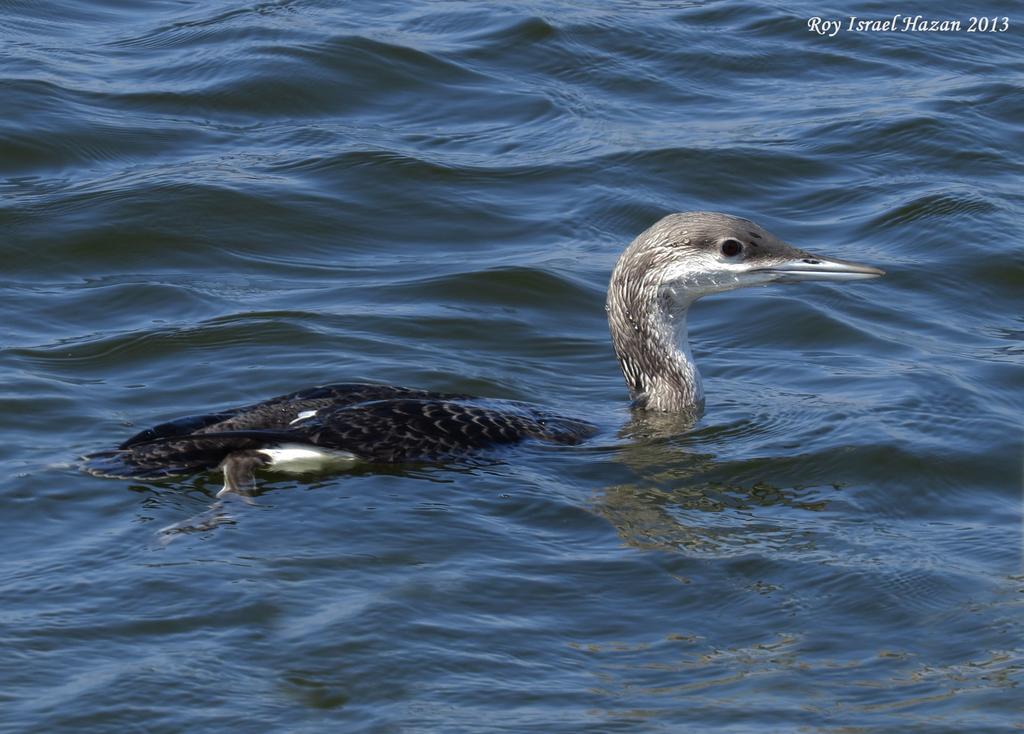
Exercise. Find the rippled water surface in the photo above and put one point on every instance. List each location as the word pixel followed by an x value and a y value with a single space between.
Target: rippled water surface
pixel 206 204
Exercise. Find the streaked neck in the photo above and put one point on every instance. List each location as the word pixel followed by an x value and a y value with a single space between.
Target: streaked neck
pixel 648 327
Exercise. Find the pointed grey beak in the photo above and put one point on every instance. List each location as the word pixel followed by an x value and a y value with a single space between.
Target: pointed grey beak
pixel 812 267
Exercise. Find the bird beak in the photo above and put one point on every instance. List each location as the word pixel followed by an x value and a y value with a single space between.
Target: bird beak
pixel 811 267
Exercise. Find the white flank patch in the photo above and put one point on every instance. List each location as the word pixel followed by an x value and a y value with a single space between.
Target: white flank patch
pixel 303 416
pixel 296 458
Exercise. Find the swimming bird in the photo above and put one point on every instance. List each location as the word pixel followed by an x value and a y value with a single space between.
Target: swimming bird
pixel 679 259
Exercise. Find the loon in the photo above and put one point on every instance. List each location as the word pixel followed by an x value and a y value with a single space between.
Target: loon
pixel 679 259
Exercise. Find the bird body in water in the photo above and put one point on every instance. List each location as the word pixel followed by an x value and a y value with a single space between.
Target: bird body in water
pixel 331 427
pixel 679 259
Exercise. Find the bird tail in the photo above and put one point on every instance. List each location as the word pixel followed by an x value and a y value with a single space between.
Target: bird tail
pixel 173 456
pixel 135 464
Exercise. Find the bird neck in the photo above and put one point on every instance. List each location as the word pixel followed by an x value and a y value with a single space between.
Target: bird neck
pixel 648 327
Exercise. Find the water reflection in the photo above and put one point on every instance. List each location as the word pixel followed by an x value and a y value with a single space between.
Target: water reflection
pixel 685 498
pixel 208 520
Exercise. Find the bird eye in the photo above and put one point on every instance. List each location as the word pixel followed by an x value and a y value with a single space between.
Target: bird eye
pixel 731 248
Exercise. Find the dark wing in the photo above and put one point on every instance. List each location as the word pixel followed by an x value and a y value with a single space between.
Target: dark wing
pixel 391 431
pixel 281 412
pixel 177 427
pixel 154 452
pixel 378 423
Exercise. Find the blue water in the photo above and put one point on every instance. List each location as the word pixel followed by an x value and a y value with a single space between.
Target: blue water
pixel 207 204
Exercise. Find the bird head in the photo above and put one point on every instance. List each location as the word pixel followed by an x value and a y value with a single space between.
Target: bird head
pixel 693 254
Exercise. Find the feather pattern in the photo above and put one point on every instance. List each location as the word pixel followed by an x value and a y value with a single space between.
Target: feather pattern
pixel 374 423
